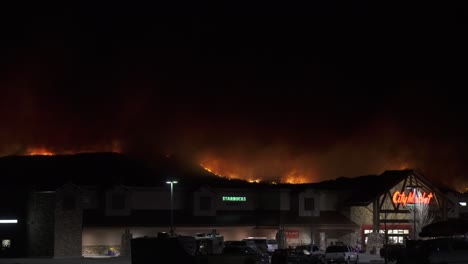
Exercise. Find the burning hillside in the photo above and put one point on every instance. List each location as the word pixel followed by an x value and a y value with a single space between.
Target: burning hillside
pixel 51 151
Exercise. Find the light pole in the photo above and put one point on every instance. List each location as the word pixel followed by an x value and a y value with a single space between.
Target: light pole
pixel 172 205
pixel 414 213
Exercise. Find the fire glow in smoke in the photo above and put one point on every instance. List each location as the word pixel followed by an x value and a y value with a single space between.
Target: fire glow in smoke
pixel 234 149
pixel 41 151
pixel 50 151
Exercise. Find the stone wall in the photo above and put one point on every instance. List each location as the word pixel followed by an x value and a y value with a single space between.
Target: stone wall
pixel 40 227
pixel 374 243
pixel 126 243
pixel 68 223
pixel 361 215
pixel 352 239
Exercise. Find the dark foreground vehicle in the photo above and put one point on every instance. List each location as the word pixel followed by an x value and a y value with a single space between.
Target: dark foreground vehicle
pixel 435 251
pixel 250 255
pixel 391 252
pixel 293 256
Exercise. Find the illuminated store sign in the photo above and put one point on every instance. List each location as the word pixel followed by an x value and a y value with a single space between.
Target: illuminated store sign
pixel 234 198
pixel 410 198
pixel 292 233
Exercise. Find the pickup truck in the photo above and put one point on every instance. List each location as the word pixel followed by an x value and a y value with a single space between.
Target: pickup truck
pixel 340 254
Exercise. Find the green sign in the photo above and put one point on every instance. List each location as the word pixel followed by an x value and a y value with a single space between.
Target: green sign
pixel 234 198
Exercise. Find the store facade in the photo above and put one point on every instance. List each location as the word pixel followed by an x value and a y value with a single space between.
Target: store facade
pixel 83 220
pixel 397 207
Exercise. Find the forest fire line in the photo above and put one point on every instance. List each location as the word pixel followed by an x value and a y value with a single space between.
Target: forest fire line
pixel 293 176
pixel 45 151
pixel 267 170
pixel 39 152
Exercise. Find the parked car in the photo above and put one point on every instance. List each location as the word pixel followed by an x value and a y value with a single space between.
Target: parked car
pixel 251 255
pixel 272 245
pixel 310 249
pixel 292 256
pixel 244 243
pixel 341 254
pixel 260 242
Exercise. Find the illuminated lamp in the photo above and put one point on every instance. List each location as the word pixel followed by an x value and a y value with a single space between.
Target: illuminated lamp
pixel 8 221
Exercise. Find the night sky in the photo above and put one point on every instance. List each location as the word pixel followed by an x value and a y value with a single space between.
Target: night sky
pixel 273 90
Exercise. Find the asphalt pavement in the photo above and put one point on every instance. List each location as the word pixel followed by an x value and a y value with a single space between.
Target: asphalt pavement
pixel 363 258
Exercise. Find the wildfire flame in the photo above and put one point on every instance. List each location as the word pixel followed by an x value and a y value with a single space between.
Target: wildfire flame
pixel 294 177
pixel 209 170
pixel 44 151
pixel 215 166
pixel 40 151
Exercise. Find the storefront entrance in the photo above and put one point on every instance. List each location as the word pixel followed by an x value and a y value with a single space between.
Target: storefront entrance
pixel 396 233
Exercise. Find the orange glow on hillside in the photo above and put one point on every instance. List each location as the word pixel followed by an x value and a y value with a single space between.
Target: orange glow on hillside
pixel 214 166
pixel 232 170
pixel 209 170
pixel 39 151
pixel 44 151
pixel 294 177
pixel 231 176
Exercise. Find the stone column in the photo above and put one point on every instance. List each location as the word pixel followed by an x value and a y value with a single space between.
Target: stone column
pixel 68 224
pixel 323 241
pixel 376 216
pixel 125 249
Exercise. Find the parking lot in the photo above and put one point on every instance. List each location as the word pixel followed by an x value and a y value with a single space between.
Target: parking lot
pixel 363 258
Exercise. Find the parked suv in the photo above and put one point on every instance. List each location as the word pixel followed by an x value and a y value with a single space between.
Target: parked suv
pixel 260 242
pixel 340 254
pixel 240 243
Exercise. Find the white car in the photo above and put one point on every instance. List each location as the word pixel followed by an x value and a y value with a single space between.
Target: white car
pixel 310 249
pixel 272 245
pixel 340 254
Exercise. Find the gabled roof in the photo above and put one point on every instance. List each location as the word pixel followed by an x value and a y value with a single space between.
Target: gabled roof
pixel 366 189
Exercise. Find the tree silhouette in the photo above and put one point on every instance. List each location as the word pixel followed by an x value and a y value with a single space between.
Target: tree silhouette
pixel 422 213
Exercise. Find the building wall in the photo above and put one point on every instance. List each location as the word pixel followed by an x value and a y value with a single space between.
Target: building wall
pixel 204 193
pixel 249 204
pixel 137 199
pixel 89 198
pixel 361 215
pixel 160 199
pixel 312 194
pixel 41 223
pixel 98 240
pixel 68 223
pixel 285 200
pixel 269 200
pixel 328 201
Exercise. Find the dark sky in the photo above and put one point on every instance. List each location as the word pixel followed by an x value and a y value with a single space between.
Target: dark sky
pixel 252 89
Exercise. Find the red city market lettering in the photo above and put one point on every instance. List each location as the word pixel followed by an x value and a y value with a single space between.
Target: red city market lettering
pixel 402 198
